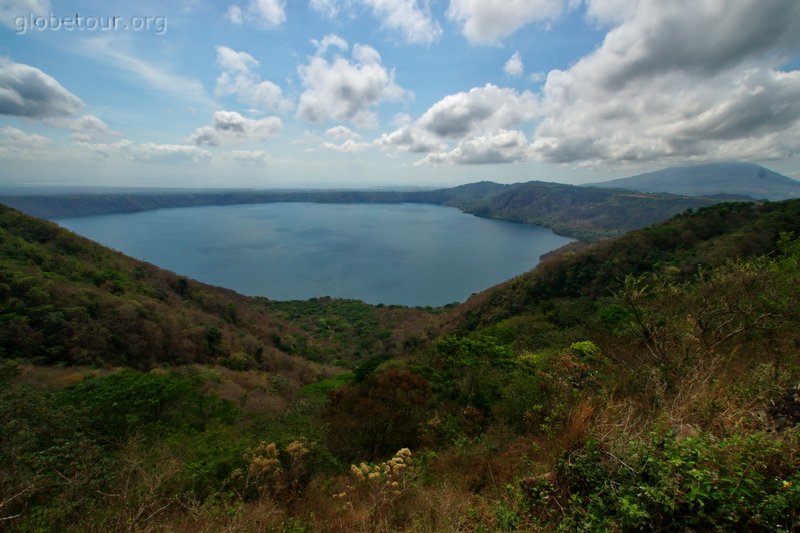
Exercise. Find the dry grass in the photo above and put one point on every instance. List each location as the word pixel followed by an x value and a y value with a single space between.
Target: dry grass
pixel 52 378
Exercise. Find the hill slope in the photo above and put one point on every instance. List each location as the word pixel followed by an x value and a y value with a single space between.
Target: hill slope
pixel 729 179
pixel 681 246
pixel 65 299
pixel 603 391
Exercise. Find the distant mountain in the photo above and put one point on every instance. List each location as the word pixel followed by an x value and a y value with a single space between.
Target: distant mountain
pixel 726 179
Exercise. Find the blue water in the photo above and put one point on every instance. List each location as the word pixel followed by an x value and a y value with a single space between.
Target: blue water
pixel 406 254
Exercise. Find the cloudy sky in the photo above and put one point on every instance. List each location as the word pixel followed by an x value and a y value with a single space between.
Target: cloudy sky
pixel 333 93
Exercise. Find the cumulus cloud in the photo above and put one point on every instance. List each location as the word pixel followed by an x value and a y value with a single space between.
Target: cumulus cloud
pixel 412 18
pixel 264 13
pixel 346 89
pixel 480 109
pixel 26 91
pixel 480 120
pixel 342 132
pixel 502 146
pixel 514 65
pixel 150 152
pixel 411 138
pixel 239 79
pixel 89 128
pixel 229 127
pixel 16 144
pixel 684 79
pixel 487 22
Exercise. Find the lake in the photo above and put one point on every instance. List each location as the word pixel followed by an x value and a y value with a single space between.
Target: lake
pixel 409 254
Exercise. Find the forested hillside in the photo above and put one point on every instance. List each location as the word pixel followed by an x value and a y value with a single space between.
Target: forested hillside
pixel 646 382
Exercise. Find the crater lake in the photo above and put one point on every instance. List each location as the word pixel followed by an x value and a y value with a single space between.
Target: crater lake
pixel 408 254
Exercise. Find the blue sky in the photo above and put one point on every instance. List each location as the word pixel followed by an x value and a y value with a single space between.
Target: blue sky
pixel 345 93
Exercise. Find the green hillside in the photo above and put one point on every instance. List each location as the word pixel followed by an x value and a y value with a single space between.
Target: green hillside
pixel 646 382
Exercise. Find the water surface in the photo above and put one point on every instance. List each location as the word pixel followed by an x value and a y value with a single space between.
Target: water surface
pixel 408 254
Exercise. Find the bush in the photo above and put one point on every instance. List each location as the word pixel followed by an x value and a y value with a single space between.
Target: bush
pixel 744 482
pixel 127 402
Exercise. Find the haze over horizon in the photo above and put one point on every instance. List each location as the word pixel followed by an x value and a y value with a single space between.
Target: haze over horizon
pixel 366 93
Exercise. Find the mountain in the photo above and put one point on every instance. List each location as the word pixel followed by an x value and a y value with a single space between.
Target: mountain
pixel 714 179
pixel 580 212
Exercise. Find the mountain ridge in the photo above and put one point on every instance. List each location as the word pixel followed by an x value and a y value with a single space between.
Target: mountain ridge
pixel 711 179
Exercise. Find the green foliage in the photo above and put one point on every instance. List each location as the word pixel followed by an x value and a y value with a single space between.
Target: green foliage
pixel 565 284
pixel 49 466
pixel 326 386
pixel 743 482
pixel 129 402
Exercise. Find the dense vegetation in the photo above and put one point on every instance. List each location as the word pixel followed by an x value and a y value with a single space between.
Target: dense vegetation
pixel 642 383
pixel 582 212
pixel 66 300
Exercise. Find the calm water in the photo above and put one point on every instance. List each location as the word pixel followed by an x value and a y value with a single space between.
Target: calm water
pixel 407 254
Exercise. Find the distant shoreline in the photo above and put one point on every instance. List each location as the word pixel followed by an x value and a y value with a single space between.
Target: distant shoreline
pixel 583 213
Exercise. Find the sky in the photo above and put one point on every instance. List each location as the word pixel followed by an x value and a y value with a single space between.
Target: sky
pixel 392 93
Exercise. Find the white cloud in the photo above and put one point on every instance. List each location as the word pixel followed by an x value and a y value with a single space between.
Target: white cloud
pixel 342 132
pixel 16 144
pixel 481 109
pixel 349 146
pixel 493 148
pixel 346 89
pixel 238 79
pixel 264 13
pixel 412 18
pixel 150 152
pixel 680 80
pixel 480 120
pixel 514 65
pixel 329 41
pixel 485 22
pixel 89 128
pixel 229 127
pixel 329 8
pixel 411 138
pixel 26 91
pixel 234 14
pixel 537 77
